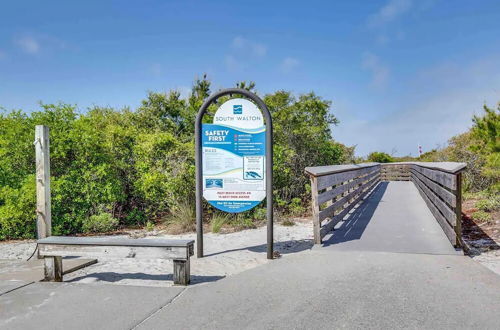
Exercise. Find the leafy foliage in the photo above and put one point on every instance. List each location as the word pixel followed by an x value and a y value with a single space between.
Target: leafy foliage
pixel 480 149
pixel 380 157
pixel 120 167
pixel 103 222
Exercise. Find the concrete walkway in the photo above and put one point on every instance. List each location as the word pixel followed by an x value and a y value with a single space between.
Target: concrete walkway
pixel 389 266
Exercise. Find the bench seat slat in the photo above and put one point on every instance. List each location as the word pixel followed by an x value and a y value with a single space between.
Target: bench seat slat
pixel 106 241
pixel 109 251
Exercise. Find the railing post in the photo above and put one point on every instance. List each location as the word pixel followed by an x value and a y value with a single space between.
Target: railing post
pixel 43 202
pixel 458 210
pixel 315 210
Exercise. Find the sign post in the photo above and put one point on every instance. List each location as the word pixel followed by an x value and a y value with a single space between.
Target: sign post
pixel 234 159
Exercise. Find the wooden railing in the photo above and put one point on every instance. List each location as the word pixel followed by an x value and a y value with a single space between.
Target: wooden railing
pixel 440 185
pixel 394 172
pixel 336 190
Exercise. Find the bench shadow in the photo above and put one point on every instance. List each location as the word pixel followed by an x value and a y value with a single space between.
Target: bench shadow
pixel 284 247
pixel 353 227
pixel 112 277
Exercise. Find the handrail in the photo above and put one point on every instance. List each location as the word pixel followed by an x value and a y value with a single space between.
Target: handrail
pixel 336 189
pixel 442 192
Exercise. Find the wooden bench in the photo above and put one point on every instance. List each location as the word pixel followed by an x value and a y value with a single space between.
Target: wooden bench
pixel 53 248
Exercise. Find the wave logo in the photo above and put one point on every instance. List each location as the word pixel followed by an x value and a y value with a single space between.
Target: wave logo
pixel 237 109
pixel 214 183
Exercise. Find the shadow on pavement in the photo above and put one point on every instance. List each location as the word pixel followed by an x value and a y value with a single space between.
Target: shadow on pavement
pixel 286 247
pixel 354 226
pixel 115 277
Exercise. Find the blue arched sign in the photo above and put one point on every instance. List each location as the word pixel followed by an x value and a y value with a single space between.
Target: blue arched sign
pixel 234 158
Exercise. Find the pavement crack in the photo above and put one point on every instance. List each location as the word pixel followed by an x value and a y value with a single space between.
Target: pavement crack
pixel 16 288
pixel 159 309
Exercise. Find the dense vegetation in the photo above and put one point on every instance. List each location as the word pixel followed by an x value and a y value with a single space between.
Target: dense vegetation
pixel 132 168
pixel 380 157
pixel 480 149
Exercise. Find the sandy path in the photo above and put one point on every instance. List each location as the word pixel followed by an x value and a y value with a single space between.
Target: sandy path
pixel 225 254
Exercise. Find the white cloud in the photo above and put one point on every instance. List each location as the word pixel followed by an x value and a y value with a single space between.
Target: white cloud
pixel 389 12
pixel 28 44
pixel 250 47
pixel 289 64
pixel 380 72
pixel 242 53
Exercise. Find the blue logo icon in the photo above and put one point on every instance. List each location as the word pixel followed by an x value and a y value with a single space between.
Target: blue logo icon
pixel 213 183
pixel 251 175
pixel 237 109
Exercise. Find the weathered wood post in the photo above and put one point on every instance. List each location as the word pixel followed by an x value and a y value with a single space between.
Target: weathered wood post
pixel 315 210
pixel 53 266
pixel 43 202
pixel 458 210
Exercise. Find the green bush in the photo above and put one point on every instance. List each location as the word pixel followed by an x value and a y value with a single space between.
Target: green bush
pixel 139 164
pixel 380 157
pixel 481 216
pixel 260 213
pixel 480 149
pixel 296 207
pixel 150 226
pixel 489 204
pixel 99 223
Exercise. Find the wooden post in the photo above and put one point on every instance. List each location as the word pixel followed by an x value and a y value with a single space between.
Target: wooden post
pixel 315 211
pixel 182 272
pixel 458 210
pixel 53 269
pixel 43 202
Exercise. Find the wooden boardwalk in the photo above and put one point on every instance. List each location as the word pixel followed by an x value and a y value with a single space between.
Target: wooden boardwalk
pixel 393 218
pixel 406 202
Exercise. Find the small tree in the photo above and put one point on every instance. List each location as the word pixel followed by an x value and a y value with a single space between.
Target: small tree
pixel 380 157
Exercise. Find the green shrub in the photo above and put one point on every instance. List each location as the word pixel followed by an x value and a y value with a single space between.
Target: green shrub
pixel 296 207
pixel 100 223
pixel 150 226
pixel 489 204
pixel 140 163
pixel 260 213
pixel 135 217
pixel 288 223
pixel 481 216
pixel 380 157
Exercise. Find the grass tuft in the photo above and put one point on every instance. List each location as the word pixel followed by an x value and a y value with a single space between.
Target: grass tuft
pixel 182 219
pixel 218 221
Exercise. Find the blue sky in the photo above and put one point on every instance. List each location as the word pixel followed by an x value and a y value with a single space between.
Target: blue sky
pixel 399 72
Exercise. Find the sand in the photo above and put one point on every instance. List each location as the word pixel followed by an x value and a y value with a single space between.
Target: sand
pixel 225 255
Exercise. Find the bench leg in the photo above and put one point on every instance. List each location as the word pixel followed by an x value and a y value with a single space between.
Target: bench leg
pixel 53 269
pixel 181 272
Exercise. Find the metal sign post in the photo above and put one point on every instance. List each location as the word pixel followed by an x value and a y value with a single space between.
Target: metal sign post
pixel 234 159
